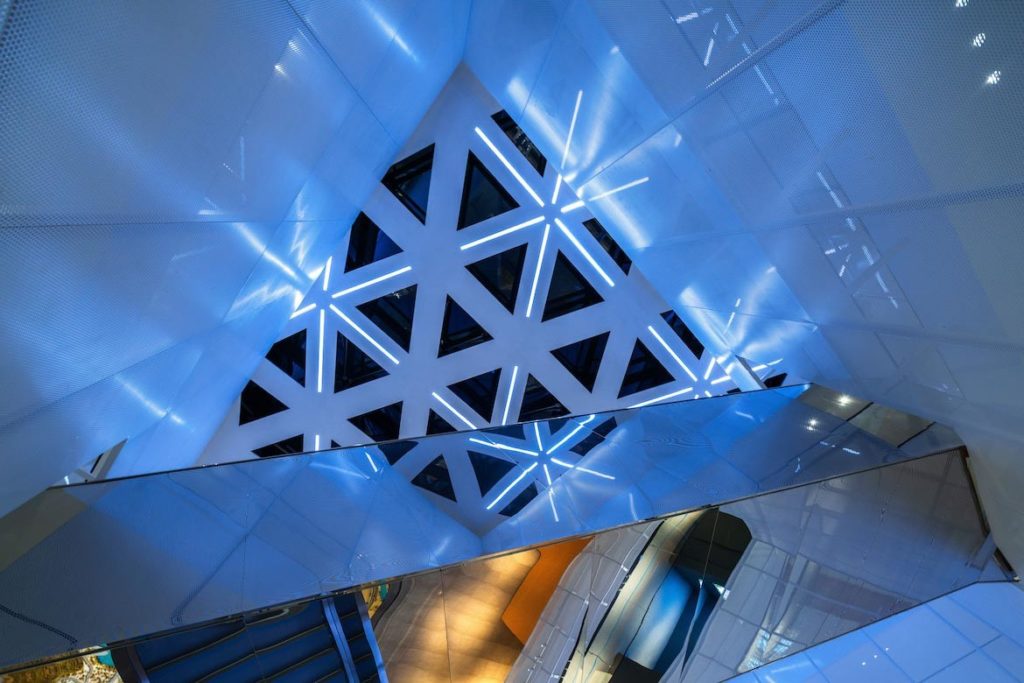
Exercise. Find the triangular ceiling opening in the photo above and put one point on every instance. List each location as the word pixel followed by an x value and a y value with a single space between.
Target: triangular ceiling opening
pixel 569 291
pixel 643 372
pixel 483 196
pixel 501 274
pixel 409 181
pixel 583 358
pixel 436 478
pixel 520 501
pixel 289 446
pixel 488 469
pixel 459 330
pixel 479 392
pixel 437 424
pixel 352 366
pixel 539 403
pixel 257 403
pixel 367 244
pixel 393 314
pixel 381 424
pixel 289 354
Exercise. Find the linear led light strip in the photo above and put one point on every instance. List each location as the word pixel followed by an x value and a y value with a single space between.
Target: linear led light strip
pixel 568 141
pixel 586 254
pixel 579 468
pixel 536 275
pixel 508 400
pixel 676 358
pixel 662 398
pixel 571 434
pixel 511 486
pixel 502 447
pixel 454 412
pixel 320 357
pixel 509 166
pixel 615 190
pixel 368 283
pixel 363 334
pixel 501 233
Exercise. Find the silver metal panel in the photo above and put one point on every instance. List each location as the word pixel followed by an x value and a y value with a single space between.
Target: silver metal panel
pixel 155 552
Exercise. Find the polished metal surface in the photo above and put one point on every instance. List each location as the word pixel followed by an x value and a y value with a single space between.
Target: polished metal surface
pixel 156 552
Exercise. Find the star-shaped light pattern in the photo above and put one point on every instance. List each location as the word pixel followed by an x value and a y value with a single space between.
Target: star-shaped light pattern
pixel 344 374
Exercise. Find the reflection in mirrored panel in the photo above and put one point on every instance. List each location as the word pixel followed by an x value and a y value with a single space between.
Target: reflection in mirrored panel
pixel 224 540
pixel 696 596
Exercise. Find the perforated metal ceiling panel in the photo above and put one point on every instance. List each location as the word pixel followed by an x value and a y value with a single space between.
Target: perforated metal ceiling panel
pixel 172 177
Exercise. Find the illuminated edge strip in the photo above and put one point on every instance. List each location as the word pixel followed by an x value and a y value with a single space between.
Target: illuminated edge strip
pixel 536 275
pixel 510 167
pixel 572 129
pixel 585 470
pixel 374 281
pixel 305 309
pixel 558 186
pixel 369 458
pixel 364 335
pixel 327 272
pixel 454 412
pixel 502 233
pixel 320 356
pixel 571 434
pixel 572 207
pixel 586 254
pixel 512 485
pixel 511 389
pixel 536 431
pixel 620 188
pixel 502 447
pixel 662 398
pixel 677 359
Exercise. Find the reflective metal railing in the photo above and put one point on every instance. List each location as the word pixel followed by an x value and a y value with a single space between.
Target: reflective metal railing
pixel 100 562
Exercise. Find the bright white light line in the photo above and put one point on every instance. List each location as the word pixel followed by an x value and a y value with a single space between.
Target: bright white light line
pixel 662 398
pixel 620 188
pixel 508 401
pixel 454 412
pixel 502 447
pixel 510 167
pixel 672 353
pixel 572 207
pixel 570 466
pixel 558 186
pixel 586 254
pixel 536 275
pixel 362 285
pixel 551 499
pixel 512 485
pixel 572 128
pixel 363 334
pixel 305 309
pixel 320 355
pixel 316 442
pixel 571 434
pixel 536 431
pixel 501 233
pixel 327 273
pixel 547 473
pixel 711 365
pixel 370 459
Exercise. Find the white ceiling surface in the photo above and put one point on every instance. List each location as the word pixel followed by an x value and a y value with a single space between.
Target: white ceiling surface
pixel 844 176
pixel 161 271
pixel 432 258
pixel 172 176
